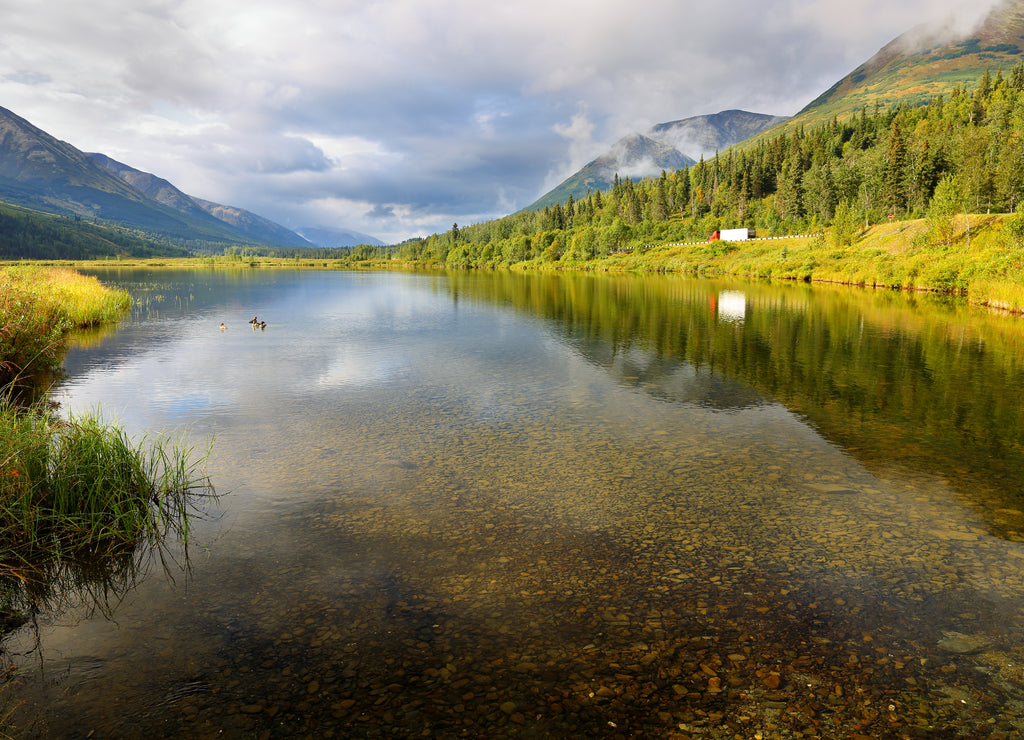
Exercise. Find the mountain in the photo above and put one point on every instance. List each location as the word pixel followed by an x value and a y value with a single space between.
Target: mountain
pixel 31 234
pixel 37 169
pixel 705 136
pixel 152 186
pixel 927 61
pixel 332 238
pixel 633 156
pixel 666 146
pixel 256 228
pixel 40 172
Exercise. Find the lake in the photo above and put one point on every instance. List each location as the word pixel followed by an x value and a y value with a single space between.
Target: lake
pixel 497 504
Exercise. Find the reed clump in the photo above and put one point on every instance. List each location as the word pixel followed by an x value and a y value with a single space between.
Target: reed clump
pixel 81 508
pixel 40 304
pixel 80 485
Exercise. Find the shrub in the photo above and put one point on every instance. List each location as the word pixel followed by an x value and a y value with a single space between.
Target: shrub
pixel 1014 226
pixel 845 227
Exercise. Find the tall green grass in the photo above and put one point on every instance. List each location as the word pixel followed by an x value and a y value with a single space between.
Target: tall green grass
pixel 81 507
pixel 83 485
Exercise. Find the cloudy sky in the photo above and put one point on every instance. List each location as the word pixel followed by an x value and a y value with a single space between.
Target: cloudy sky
pixel 399 117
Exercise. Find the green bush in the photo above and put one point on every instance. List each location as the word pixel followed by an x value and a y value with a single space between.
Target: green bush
pixel 1014 227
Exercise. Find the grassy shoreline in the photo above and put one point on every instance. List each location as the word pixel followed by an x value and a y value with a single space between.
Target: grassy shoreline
pixel 39 305
pixel 77 496
pixel 79 485
pixel 78 502
pixel 983 260
pixel 76 486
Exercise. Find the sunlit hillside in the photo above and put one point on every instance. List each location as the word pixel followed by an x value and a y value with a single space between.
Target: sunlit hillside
pixel 921 64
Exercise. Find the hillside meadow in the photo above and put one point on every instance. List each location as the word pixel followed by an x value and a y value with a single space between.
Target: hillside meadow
pixel 983 259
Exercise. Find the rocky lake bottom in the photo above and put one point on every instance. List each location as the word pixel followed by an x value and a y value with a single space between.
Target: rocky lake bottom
pixel 444 518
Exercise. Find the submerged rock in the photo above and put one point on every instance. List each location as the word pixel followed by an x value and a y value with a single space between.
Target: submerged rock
pixel 961 644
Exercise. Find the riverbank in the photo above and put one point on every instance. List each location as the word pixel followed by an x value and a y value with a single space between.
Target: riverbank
pixel 76 486
pixel 39 305
pixel 77 499
pixel 72 490
pixel 982 259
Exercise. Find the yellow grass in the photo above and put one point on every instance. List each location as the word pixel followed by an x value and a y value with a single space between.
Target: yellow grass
pixel 39 305
pixel 79 299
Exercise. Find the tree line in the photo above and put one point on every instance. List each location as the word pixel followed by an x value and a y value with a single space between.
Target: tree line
pixel 956 154
pixel 26 234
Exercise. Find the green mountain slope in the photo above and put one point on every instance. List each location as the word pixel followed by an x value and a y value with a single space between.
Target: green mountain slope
pixel 39 172
pixel 151 186
pixel 943 181
pixel 256 228
pixel 29 234
pixel 925 62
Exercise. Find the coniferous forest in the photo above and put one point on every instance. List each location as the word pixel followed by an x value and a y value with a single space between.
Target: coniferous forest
pixel 958 154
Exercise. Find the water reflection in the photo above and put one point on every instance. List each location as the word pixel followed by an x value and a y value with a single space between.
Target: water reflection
pixel 917 382
pixel 75 589
pixel 86 585
pixel 732 306
pixel 499 504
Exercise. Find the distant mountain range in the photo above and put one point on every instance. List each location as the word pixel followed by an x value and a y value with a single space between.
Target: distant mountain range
pixel 666 146
pixel 926 61
pixel 332 238
pixel 254 229
pixel 40 172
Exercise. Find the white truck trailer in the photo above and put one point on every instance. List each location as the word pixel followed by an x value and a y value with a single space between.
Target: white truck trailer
pixel 734 235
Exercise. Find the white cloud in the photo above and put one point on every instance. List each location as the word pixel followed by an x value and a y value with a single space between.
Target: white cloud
pixel 442 110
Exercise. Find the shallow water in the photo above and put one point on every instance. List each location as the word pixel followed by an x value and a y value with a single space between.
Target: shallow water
pixel 552 506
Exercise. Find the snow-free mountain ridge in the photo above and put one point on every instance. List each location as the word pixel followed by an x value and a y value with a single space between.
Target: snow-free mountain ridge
pixel 929 60
pixel 41 172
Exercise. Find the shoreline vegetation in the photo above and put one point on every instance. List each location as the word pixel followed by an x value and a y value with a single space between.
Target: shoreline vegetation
pixel 75 484
pixel 979 257
pixel 82 507
pixel 79 489
pixel 79 500
pixel 39 305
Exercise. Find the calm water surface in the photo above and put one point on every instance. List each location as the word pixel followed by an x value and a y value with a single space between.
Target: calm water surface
pixel 552 506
